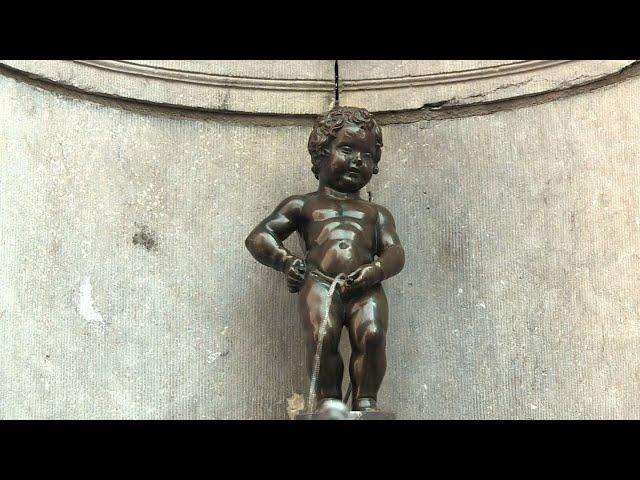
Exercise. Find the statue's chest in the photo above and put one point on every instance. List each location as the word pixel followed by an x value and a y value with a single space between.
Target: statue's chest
pixel 322 214
pixel 346 211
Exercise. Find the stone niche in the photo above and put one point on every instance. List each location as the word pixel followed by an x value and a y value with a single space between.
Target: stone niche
pixel 127 292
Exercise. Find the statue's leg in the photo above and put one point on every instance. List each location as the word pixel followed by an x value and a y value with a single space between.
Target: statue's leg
pixel 312 304
pixel 367 317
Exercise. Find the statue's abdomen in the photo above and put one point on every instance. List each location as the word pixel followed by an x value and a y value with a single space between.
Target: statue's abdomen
pixel 339 245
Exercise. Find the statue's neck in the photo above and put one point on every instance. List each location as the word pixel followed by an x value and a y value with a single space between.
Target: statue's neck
pixel 337 194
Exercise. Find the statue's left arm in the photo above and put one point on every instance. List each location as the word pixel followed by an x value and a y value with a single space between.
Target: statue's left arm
pixel 389 250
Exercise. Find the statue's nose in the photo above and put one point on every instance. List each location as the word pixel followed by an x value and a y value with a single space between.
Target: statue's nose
pixel 358 161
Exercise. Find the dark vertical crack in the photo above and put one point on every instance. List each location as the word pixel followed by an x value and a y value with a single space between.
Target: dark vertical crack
pixel 337 84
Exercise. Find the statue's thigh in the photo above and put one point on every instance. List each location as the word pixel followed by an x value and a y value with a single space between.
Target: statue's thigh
pixel 312 305
pixel 367 314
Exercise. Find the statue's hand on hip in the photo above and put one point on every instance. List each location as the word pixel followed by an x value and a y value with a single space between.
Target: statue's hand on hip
pixel 295 270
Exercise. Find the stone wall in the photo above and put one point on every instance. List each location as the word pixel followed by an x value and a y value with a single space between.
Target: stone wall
pixel 127 292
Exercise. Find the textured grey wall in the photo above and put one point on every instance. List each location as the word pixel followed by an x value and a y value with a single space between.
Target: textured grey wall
pixel 518 299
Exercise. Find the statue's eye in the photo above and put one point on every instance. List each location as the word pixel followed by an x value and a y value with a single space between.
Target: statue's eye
pixel 345 149
pixel 367 156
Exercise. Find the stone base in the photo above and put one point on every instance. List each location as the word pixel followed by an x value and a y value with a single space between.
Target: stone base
pixel 351 416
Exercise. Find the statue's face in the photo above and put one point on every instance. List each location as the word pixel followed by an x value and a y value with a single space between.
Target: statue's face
pixel 350 162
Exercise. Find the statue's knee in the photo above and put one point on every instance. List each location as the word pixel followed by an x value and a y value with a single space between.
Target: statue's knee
pixel 330 340
pixel 372 337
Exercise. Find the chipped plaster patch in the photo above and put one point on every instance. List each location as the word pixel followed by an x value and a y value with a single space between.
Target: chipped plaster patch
pixel 85 304
pixel 295 405
pixel 211 356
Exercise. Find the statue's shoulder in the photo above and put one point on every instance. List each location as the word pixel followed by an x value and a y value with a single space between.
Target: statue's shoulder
pixel 295 203
pixel 384 215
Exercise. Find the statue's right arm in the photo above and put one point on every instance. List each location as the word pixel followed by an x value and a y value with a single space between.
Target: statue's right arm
pixel 265 241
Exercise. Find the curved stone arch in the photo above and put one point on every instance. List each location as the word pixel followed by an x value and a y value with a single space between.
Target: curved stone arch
pixel 264 87
pixel 383 86
pixel 304 87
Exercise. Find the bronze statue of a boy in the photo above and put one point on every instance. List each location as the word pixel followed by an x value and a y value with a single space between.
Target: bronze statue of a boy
pixel 342 234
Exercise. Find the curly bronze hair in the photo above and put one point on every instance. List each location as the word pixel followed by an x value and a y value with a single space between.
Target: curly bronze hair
pixel 326 129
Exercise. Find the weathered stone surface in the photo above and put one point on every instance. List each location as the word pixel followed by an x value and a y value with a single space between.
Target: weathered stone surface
pixel 519 298
pixel 383 85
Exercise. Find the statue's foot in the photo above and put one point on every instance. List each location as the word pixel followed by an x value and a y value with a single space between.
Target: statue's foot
pixel 326 400
pixel 365 405
pixel 332 409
